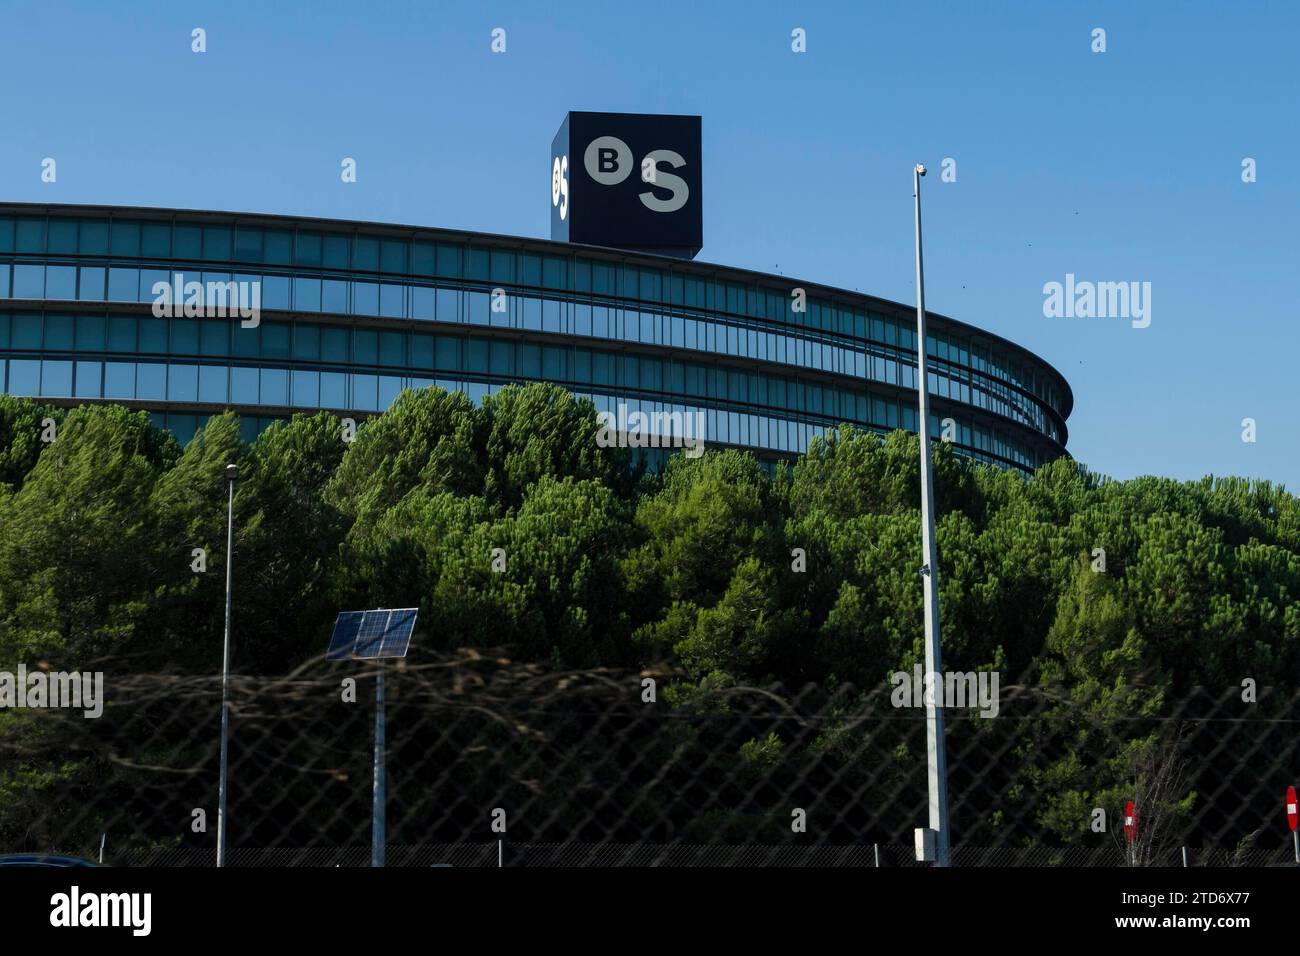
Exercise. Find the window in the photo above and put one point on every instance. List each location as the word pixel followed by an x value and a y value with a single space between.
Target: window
pixel 502 265
pixel 306 342
pixel 213 384
pixel 243 385
pixel 187 241
pixel 185 337
pixel 62 236
pixel 156 239
pixel 392 300
pixel 217 243
pixel 479 305
pixel 365 345
pixel 476 358
pixel 306 294
pixel 121 334
pixel 122 284
pixel 58 332
pixel 151 381
pixel 275 340
pixel 422 258
pixel 448 261
pixel 92 283
pixel 448 305
pixel 308 249
pixel 275 386
pixel 422 351
pixel 365 254
pixel 553 364
pixel 275 292
pixel 29 282
pixel 119 379
pixel 447 352
pixel 365 298
pixel 389 388
pixel 56 378
pixel 333 390
pixel 529 360
pixel 89 333
pixel 476 263
pixel 30 235
pixel 422 300
pixel 182 383
pixel 392 256
pixel 334 345
pixel 392 349
pixel 277 247
pixel 214 338
pixel 501 358
pixel 94 238
pixel 532 313
pixel 248 245
pixel 365 392
pixel 334 296
pixel 24 377
pixel 306 389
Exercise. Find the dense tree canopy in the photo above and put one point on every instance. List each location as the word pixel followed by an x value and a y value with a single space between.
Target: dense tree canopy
pixel 508 523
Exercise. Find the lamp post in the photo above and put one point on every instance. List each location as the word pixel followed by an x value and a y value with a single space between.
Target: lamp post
pixel 232 472
pixel 380 796
pixel 936 759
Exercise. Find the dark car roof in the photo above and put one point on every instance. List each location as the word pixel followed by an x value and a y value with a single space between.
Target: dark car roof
pixel 42 859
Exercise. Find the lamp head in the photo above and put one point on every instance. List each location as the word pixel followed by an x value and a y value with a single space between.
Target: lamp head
pixel 232 472
pixel 920 169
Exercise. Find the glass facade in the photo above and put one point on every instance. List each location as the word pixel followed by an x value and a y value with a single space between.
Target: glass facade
pixel 350 314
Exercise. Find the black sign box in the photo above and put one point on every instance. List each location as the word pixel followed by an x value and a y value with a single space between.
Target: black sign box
pixel 630 181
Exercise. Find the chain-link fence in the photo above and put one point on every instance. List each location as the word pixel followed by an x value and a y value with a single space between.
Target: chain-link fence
pixel 606 768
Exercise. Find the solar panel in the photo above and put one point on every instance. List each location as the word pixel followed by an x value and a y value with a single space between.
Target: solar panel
pixel 366 635
pixel 371 634
pixel 344 636
pixel 397 636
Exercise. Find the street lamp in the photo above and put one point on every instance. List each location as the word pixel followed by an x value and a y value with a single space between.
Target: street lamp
pixel 232 472
pixel 936 759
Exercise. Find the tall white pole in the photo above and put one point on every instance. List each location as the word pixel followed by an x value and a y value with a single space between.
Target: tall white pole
pixel 934 741
pixel 232 472
pixel 378 825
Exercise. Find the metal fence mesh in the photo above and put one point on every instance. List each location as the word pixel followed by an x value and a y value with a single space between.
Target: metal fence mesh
pixel 588 773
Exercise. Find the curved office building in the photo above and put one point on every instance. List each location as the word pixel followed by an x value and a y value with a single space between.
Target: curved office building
pixel 349 314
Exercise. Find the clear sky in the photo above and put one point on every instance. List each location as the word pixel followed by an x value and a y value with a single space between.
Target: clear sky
pixel 1117 166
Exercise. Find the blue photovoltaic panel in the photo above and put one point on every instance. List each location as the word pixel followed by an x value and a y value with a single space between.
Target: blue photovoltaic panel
pixel 397 636
pixel 345 635
pixel 373 626
pixel 365 635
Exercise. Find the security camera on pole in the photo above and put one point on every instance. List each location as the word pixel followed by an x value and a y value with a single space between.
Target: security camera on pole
pixel 932 843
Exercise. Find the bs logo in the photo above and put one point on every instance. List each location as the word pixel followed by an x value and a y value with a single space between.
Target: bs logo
pixel 560 185
pixel 628 180
pixel 608 161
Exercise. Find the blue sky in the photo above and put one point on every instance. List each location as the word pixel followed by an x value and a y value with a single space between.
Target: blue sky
pixel 1115 166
